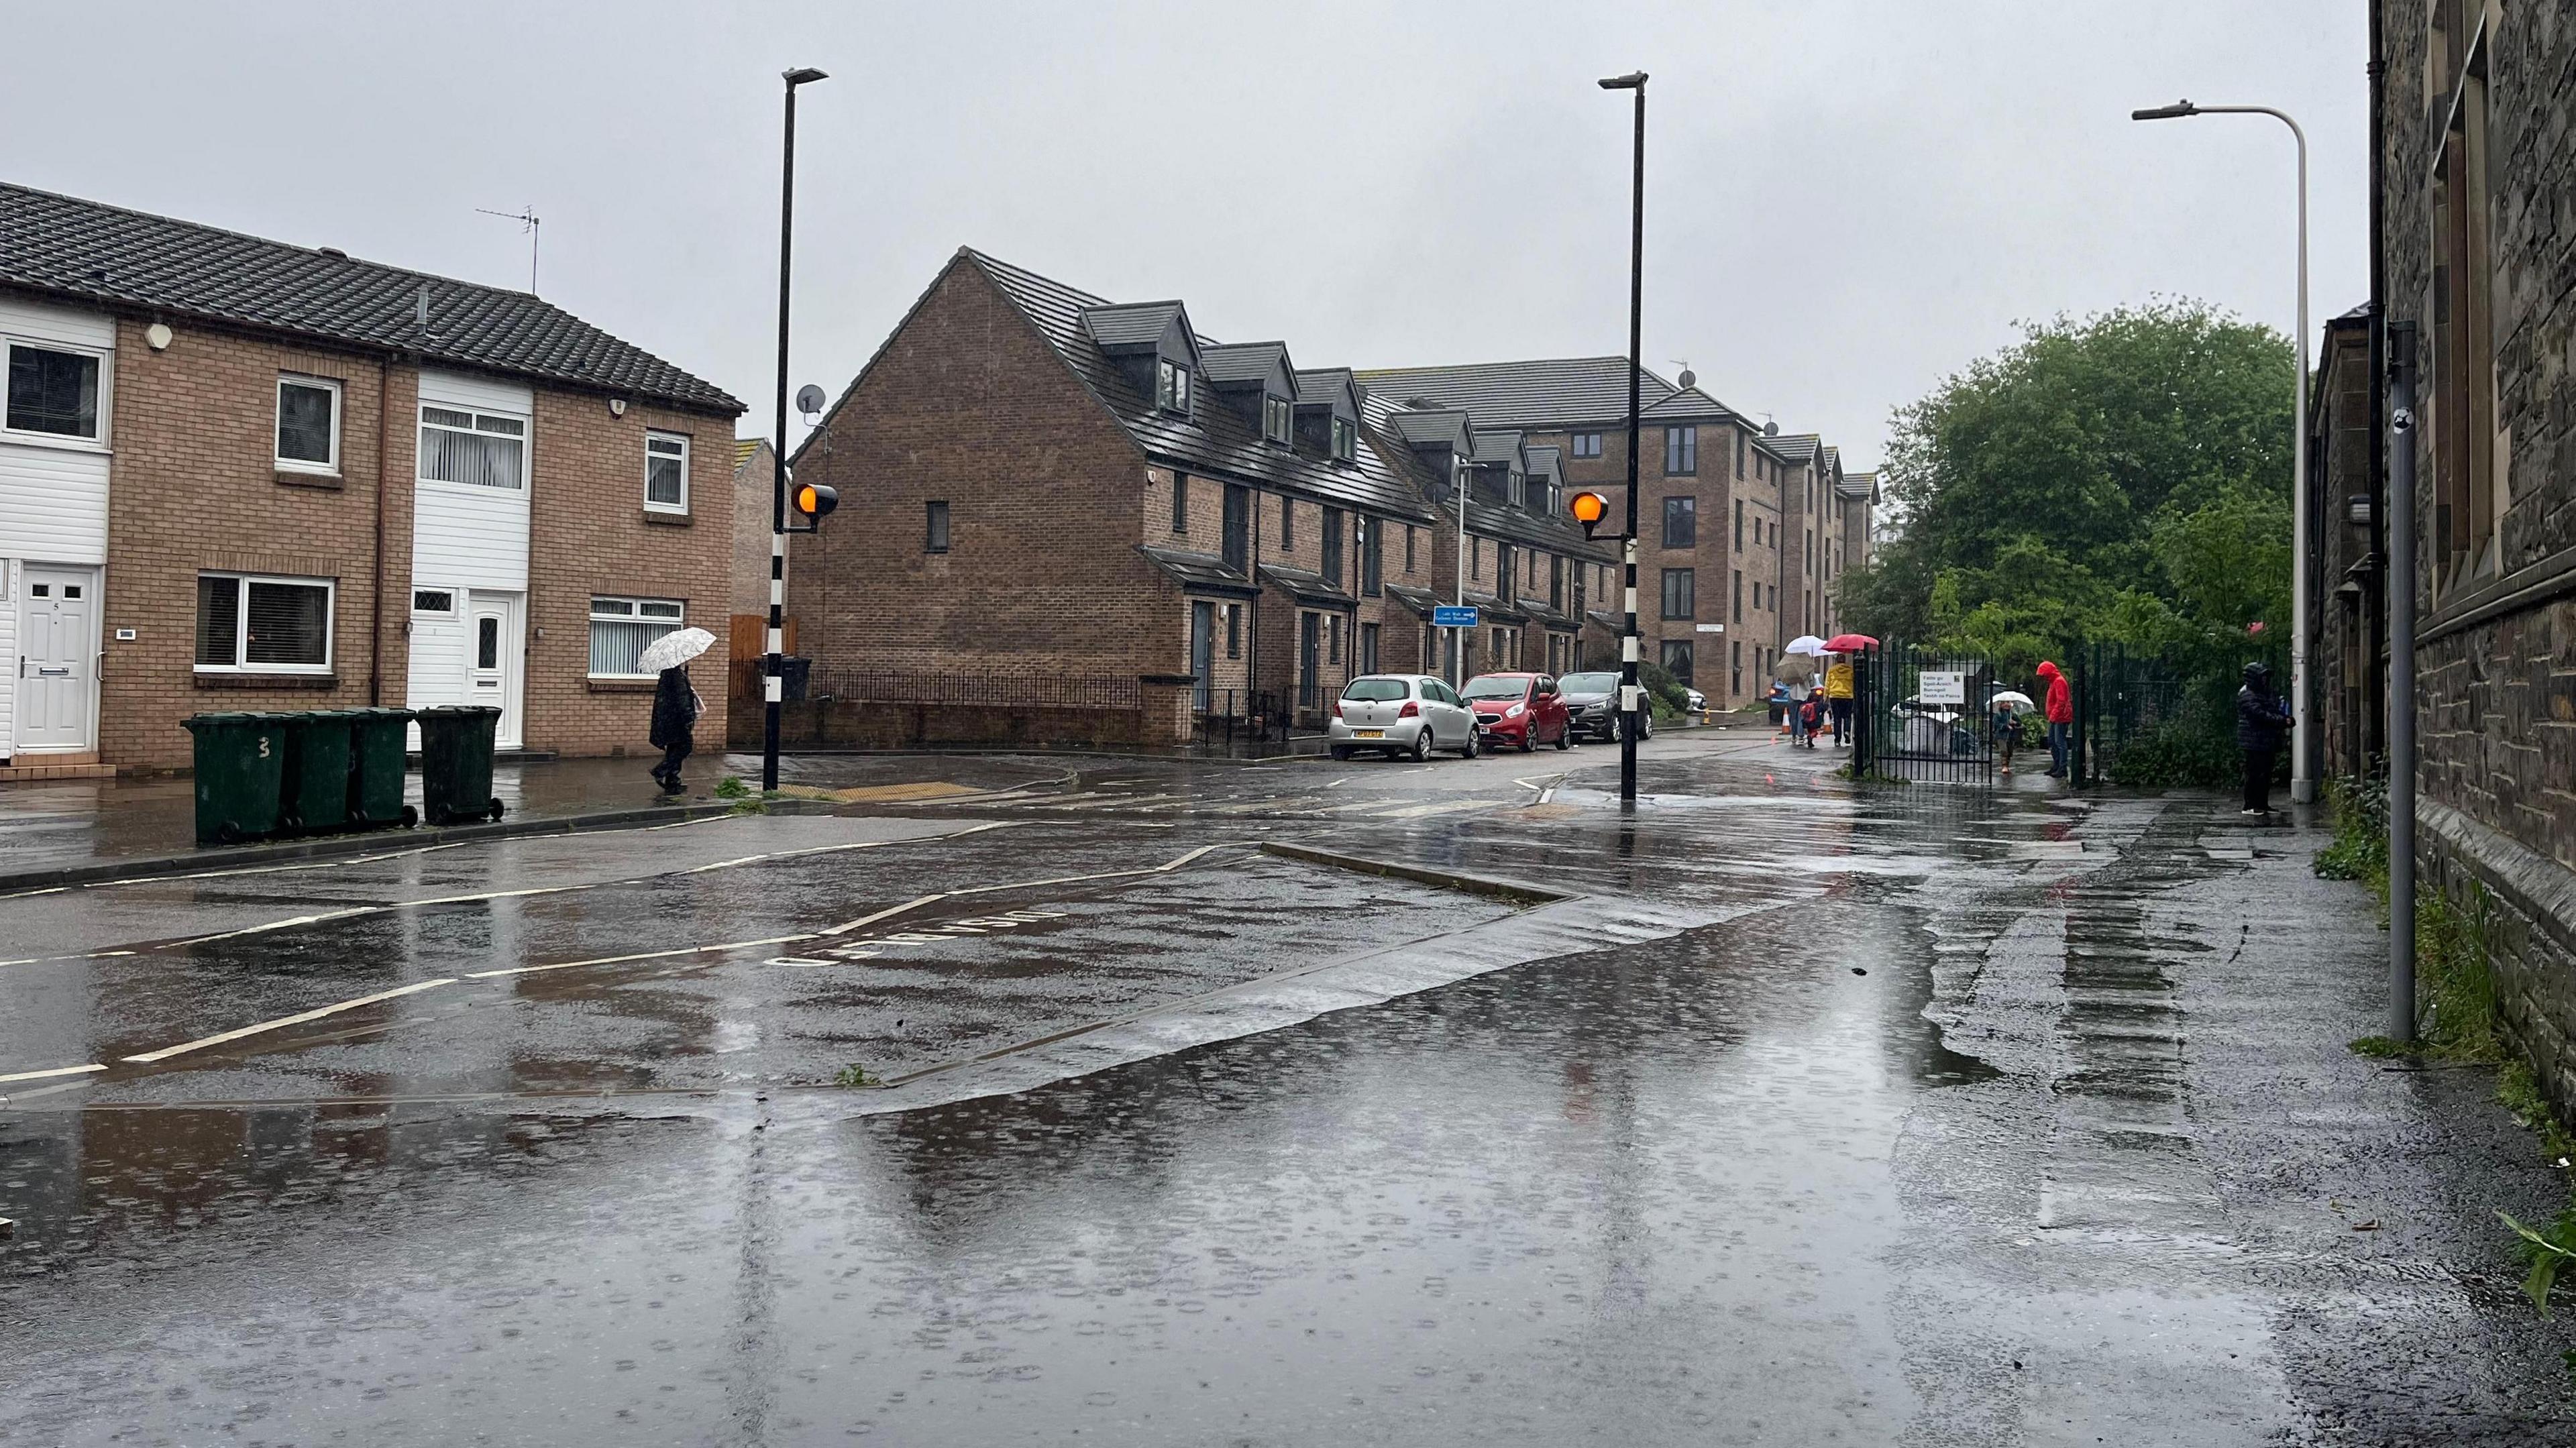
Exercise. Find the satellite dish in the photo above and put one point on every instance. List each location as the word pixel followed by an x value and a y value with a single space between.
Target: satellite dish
pixel 1770 429
pixel 1689 379
pixel 810 399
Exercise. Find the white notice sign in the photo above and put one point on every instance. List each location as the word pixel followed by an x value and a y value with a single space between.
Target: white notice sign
pixel 1946 687
pixel 1712 628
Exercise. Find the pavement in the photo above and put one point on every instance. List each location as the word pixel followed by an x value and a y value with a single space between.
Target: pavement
pixel 1041 1100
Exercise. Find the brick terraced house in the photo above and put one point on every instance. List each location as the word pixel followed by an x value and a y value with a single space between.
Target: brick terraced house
pixel 1729 565
pixel 1051 500
pixel 241 474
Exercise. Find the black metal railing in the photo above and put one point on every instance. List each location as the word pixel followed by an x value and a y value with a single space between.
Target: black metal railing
pixel 1919 714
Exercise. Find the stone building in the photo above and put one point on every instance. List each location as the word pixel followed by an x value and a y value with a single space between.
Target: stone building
pixel 2478 105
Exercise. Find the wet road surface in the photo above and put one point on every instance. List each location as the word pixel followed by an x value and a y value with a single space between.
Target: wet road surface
pixel 1905 1118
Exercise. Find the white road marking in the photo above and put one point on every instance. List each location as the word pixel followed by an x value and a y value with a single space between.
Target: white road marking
pixel 56 1071
pixel 914 904
pixel 1441 807
pixel 287 924
pixel 166 1052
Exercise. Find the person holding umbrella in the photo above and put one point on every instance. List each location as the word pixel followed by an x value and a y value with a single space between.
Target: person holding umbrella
pixel 1799 664
pixel 2008 706
pixel 676 705
pixel 1838 680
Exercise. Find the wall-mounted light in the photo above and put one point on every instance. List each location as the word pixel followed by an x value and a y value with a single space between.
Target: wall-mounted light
pixel 617 407
pixel 2357 509
pixel 157 336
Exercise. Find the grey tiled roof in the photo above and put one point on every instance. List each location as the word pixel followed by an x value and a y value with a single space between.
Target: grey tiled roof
pixel 1204 571
pixel 1420 600
pixel 1244 361
pixel 1449 425
pixel 1319 384
pixel 1139 324
pixel 1545 393
pixel 1216 441
pixel 1306 583
pixel 1553 532
pixel 1498 445
pixel 1690 402
pixel 1797 447
pixel 1488 608
pixel 64 246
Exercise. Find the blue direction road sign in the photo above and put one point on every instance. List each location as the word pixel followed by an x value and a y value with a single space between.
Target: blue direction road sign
pixel 1452 615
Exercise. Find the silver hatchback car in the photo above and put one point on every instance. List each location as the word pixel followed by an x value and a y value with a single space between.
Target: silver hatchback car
pixel 1401 714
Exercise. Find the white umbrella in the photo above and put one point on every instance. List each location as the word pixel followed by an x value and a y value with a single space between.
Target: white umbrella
pixel 1807 644
pixel 2019 701
pixel 676 647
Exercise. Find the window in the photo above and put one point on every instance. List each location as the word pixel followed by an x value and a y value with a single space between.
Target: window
pixel 1739 525
pixel 308 425
pixel 1811 550
pixel 1738 613
pixel 439 602
pixel 1681 449
pixel 487 642
pixel 1587 444
pixel 934 532
pixel 1275 417
pixel 666 472
pixel 2469 492
pixel 1556 584
pixel 1172 386
pixel 53 391
pixel 1333 652
pixel 1333 546
pixel 1677 659
pixel 1681 593
pixel 1234 630
pixel 1475 557
pixel 1180 502
pixel 1346 439
pixel 478 449
pixel 249 624
pixel 1681 522
pixel 1739 454
pixel 1287 522
pixel 1408 548
pixel 1234 527
pixel 1368 648
pixel 619 630
pixel 1503 578
pixel 1372 562
pixel 1735 668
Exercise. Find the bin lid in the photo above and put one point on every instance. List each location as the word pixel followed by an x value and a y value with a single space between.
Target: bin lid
pixel 216 719
pixel 460 711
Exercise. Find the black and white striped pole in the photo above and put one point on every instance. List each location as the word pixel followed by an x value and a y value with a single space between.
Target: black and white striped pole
pixel 772 685
pixel 1632 704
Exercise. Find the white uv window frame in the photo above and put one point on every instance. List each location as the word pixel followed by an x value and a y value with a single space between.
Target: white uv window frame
pixel 517 429
pixel 244 582
pixel 328 467
pixel 672 447
pixel 95 441
pixel 631 611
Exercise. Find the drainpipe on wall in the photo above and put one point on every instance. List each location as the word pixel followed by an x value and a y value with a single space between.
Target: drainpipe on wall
pixel 376 596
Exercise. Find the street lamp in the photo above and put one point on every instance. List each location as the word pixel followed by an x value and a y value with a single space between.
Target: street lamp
pixel 1629 702
pixel 2302 783
pixel 772 688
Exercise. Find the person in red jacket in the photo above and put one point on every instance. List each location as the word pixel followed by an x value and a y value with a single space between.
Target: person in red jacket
pixel 2059 710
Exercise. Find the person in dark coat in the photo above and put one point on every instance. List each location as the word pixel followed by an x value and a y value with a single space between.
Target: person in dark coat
pixel 675 715
pixel 2260 719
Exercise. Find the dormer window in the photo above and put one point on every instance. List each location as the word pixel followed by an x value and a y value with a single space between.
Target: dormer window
pixel 1172 386
pixel 1276 415
pixel 1346 440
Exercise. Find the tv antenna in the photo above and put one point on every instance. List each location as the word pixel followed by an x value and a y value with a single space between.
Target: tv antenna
pixel 526 216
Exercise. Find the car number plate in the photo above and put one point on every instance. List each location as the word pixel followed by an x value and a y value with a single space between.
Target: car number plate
pixel 1368 734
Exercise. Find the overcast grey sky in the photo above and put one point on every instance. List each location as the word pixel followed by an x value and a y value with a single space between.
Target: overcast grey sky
pixel 1846 200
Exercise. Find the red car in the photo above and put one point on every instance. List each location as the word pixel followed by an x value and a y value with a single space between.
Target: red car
pixel 1526 710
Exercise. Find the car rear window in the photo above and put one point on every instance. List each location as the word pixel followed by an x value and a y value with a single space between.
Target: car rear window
pixel 1374 689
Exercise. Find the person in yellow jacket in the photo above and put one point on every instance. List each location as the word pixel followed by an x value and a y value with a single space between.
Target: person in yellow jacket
pixel 1838 696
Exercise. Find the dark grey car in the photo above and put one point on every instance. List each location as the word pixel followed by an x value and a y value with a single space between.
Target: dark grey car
pixel 1592 704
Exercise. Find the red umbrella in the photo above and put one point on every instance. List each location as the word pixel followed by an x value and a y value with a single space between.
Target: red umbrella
pixel 1849 643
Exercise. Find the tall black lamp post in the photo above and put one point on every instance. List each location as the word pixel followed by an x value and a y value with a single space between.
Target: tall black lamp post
pixel 772 688
pixel 1631 704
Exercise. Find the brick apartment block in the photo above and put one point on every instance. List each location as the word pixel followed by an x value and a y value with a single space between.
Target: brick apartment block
pixel 238 474
pixel 1044 485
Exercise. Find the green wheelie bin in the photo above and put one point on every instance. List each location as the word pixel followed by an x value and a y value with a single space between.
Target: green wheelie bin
pixel 240 774
pixel 316 795
pixel 376 768
pixel 456 763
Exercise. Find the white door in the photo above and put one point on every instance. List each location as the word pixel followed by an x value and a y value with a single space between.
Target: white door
pixel 58 660
pixel 493 654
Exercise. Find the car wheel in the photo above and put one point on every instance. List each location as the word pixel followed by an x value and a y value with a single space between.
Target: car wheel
pixel 1422 745
pixel 1529 739
pixel 1341 751
pixel 1565 737
pixel 1468 751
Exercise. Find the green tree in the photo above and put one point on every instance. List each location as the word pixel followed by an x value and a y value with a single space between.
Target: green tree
pixel 2124 476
